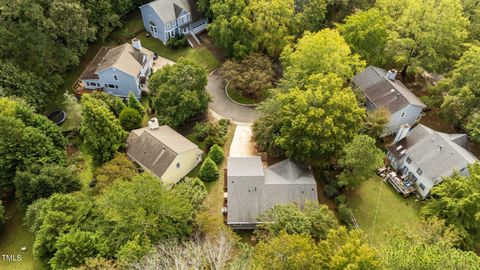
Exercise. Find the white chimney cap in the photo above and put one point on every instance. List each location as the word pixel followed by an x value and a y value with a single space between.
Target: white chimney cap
pixel 153 123
pixel 137 44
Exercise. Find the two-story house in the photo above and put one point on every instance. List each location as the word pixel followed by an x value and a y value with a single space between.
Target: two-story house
pixel 382 90
pixel 425 156
pixel 164 19
pixel 119 70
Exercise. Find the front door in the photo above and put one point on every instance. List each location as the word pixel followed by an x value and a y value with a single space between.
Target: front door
pixel 153 30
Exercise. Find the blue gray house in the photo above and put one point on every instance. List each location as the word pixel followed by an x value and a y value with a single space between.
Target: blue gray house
pixel 164 19
pixel 119 70
pixel 382 89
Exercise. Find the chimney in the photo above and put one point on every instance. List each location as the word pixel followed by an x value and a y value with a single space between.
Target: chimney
pixel 136 44
pixel 391 74
pixel 153 123
pixel 402 132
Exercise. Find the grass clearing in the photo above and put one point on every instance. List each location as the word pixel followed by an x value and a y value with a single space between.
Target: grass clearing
pixel 240 98
pixel 211 216
pixel 201 55
pixel 393 209
pixel 13 236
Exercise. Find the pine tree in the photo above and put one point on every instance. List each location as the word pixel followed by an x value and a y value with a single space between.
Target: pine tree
pixel 209 171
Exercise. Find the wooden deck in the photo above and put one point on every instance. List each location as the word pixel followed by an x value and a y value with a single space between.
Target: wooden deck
pixel 404 187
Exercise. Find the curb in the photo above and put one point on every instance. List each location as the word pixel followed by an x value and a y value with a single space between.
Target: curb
pixel 254 105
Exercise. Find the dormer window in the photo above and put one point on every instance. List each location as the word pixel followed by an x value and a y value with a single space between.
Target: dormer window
pixel 408 160
pixel 115 77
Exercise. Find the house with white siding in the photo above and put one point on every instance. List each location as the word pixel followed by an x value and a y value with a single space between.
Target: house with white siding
pixel 382 90
pixel 424 156
pixel 165 19
pixel 119 70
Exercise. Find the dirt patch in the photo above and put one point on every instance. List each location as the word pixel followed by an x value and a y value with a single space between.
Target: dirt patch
pixel 207 42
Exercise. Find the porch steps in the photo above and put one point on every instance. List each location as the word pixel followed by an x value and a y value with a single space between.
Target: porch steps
pixel 193 40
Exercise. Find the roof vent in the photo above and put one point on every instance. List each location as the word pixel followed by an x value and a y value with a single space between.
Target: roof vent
pixel 440 147
pixel 137 44
pixel 153 123
pixel 391 74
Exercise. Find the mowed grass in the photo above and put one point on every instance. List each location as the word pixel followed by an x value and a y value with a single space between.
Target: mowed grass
pixel 13 236
pixel 201 55
pixel 240 98
pixel 393 209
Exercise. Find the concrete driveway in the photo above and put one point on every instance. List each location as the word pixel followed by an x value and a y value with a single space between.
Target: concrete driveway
pixel 223 107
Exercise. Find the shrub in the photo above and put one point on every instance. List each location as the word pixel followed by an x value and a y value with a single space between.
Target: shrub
pixel 331 190
pixel 201 131
pixel 209 171
pixel 345 213
pixel 130 119
pixel 216 154
pixel 3 216
pixel 177 41
pixel 135 104
pixel 340 199
pixel 212 133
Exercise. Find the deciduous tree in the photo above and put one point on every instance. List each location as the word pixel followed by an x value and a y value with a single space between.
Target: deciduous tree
pixel 314 220
pixel 177 92
pixel 302 59
pixel 310 126
pixel 311 15
pixel 359 160
pixel 119 168
pixel 134 103
pixel 456 201
pixel 41 181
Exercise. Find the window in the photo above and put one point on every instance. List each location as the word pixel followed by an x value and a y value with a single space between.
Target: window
pixel 408 160
pixel 88 84
pixel 178 165
pixel 115 77
pixel 106 85
pixel 116 86
pixel 403 114
pixel 404 170
pixel 111 86
pixel 422 186
pixel 419 171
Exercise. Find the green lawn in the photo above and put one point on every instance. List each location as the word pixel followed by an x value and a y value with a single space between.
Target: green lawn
pixel 201 55
pixel 393 209
pixel 13 236
pixel 240 98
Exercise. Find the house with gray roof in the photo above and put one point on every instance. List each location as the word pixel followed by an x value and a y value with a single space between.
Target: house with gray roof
pixel 119 70
pixel 252 188
pixel 165 19
pixel 382 90
pixel 425 156
pixel 163 152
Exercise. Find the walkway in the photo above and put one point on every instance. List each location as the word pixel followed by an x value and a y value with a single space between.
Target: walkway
pixel 225 108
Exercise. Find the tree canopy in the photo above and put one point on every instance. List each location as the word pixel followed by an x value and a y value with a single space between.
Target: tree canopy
pixel 314 220
pixel 26 138
pixel 100 130
pixel 456 200
pixel 360 159
pixel 177 92
pixel 309 126
pixel 302 60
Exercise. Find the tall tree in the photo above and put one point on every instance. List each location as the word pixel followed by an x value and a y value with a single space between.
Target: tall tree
pixel 177 92
pixel 311 15
pixel 3 215
pixel 271 24
pixel 143 207
pixel 309 126
pixel 471 10
pixel 230 29
pixel 368 33
pixel 286 252
pixel 119 168
pixel 428 33
pixel 345 249
pixel 314 219
pixel 459 91
pixel 456 200
pixel 360 159
pixel 101 131
pixel 26 138
pixel 41 181
pixel 134 103
pixel 301 60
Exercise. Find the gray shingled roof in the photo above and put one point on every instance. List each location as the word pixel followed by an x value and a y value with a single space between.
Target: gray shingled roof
pixel 169 10
pixel 382 92
pixel 155 149
pixel 253 189
pixel 437 154
pixel 123 57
